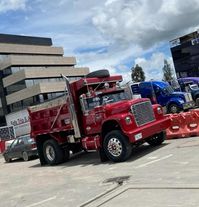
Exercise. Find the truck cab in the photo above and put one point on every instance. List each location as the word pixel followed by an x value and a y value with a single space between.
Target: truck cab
pixel 162 93
pixel 190 85
pixel 95 114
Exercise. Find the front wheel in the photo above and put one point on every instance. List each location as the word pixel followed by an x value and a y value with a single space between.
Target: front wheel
pixel 116 146
pixel 7 159
pixel 157 139
pixel 53 153
pixel 173 108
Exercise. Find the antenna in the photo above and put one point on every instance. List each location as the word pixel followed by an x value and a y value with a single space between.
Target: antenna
pixel 99 85
pixel 85 81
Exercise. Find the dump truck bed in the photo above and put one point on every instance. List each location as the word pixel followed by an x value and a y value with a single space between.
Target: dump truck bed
pixel 52 116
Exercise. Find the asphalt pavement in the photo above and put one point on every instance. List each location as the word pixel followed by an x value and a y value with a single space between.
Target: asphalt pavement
pixel 152 177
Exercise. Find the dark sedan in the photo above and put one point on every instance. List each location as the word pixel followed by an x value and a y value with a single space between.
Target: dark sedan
pixel 22 147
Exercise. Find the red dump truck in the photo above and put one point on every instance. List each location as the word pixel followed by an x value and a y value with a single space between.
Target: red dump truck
pixel 95 114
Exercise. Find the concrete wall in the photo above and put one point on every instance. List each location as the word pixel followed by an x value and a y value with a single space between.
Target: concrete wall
pixel 30 49
pixel 35 90
pixel 49 72
pixel 30 60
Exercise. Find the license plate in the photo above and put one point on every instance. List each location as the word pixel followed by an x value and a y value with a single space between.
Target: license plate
pixel 138 136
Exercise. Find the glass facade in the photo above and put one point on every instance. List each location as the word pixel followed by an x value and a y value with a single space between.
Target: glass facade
pixel 31 82
pixel 3 108
pixel 32 101
pixel 14 69
pixel 26 84
pixel 185 53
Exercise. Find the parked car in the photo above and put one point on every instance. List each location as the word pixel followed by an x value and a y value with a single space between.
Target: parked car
pixel 22 147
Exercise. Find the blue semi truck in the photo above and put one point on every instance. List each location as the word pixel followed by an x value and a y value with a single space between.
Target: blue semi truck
pixel 162 93
pixel 188 84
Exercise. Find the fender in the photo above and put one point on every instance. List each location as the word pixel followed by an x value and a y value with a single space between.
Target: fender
pixel 176 100
pixel 118 119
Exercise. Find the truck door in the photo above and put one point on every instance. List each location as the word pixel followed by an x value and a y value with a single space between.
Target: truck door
pixel 161 96
pixel 147 91
pixel 92 116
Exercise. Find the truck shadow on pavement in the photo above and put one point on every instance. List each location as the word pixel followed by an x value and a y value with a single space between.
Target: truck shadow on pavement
pixel 92 158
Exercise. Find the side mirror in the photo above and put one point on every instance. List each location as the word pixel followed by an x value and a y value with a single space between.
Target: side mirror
pixel 157 91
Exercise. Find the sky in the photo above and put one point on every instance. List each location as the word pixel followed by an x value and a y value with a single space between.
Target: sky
pixel 112 34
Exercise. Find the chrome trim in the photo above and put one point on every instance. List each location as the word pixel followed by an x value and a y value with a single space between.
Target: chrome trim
pixel 72 109
pixel 151 110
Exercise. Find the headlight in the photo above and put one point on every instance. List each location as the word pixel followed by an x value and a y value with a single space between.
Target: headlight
pixel 159 110
pixel 128 120
pixel 181 101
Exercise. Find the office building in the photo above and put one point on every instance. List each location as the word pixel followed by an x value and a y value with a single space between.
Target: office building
pixel 30 69
pixel 185 53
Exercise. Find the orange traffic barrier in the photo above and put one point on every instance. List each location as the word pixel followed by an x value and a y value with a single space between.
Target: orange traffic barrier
pixel 185 124
pixel 177 128
pixel 192 123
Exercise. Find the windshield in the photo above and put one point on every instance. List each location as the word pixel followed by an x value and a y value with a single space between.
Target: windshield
pixel 102 99
pixel 194 87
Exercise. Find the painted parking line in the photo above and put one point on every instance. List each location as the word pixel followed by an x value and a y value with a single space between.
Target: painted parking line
pixel 41 202
pixel 154 161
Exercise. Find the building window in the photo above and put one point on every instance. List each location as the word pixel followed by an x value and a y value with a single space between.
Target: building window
pixel 33 101
pixel 15 87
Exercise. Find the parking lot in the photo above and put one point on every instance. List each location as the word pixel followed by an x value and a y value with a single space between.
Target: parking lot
pixel 161 176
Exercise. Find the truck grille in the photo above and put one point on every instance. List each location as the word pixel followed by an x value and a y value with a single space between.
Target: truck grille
pixel 188 97
pixel 143 113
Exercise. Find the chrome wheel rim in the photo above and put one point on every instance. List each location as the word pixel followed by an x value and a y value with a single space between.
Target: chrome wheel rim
pixel 115 147
pixel 50 153
pixel 173 109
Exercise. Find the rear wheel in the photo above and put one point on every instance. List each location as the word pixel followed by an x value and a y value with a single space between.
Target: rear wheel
pixel 53 153
pixel 25 156
pixel 116 146
pixel 157 139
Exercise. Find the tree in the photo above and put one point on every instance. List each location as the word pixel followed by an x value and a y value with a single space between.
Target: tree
pixel 167 71
pixel 137 74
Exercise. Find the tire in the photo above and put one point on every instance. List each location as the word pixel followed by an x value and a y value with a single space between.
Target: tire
pixel 66 154
pixel 25 156
pixel 157 139
pixel 102 155
pixel 98 74
pixel 7 159
pixel 53 153
pixel 173 108
pixel 77 148
pixel 197 102
pixel 115 139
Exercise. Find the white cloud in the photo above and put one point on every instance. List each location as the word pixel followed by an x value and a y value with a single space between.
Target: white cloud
pixel 128 29
pixel 6 5
pixel 146 23
pixel 153 66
